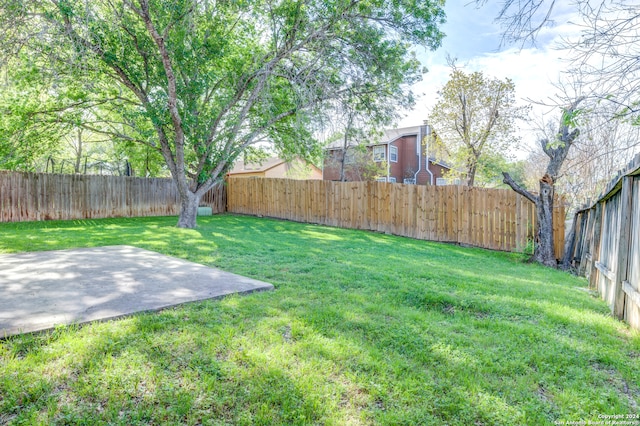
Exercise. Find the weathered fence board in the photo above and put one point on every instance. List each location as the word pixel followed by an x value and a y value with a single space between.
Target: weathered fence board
pixel 40 196
pixel 631 286
pixel 492 218
pixel 607 248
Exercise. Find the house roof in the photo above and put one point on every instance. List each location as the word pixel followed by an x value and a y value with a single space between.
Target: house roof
pixel 387 136
pixel 338 144
pixel 253 167
pixel 439 163
pixel 390 135
pixel 241 167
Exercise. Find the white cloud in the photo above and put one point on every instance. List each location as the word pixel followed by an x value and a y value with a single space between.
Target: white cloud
pixel 534 71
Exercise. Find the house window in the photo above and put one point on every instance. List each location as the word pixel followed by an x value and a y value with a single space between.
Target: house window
pixel 349 156
pixel 381 179
pixel 392 180
pixel 379 153
pixel 445 181
pixel 393 154
pixel 411 181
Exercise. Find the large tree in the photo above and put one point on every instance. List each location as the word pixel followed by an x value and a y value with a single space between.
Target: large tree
pixel 604 61
pixel 199 81
pixel 359 118
pixel 556 150
pixel 605 146
pixel 474 119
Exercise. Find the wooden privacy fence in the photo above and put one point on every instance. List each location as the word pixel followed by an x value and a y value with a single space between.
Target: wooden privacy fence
pixel 40 196
pixel 497 219
pixel 490 218
pixel 607 244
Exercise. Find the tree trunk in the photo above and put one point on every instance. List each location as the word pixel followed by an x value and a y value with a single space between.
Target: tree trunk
pixel 557 153
pixel 471 173
pixel 544 252
pixel 471 180
pixel 188 210
pixel 345 147
pixel 78 153
pixel 342 174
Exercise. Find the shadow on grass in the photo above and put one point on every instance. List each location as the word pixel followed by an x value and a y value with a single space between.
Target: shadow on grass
pixel 364 328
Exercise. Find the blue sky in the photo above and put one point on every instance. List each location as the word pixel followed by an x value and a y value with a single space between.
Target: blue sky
pixel 470 31
pixel 473 37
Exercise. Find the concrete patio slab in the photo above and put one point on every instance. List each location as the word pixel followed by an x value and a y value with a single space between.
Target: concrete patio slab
pixel 40 290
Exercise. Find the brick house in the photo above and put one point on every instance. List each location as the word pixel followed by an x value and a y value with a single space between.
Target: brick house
pixel 401 150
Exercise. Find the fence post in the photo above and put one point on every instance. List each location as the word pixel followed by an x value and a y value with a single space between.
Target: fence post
pixel 595 245
pixel 570 243
pixel 558 214
pixel 585 224
pixel 623 245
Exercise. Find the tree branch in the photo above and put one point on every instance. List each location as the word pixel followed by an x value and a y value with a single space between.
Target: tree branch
pixel 544 144
pixel 517 188
pixel 172 92
pixel 125 79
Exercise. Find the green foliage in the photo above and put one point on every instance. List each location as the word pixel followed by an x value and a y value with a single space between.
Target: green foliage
pixel 492 165
pixel 44 111
pixel 570 118
pixel 364 164
pixel 363 328
pixel 143 159
pixel 475 119
pixel 358 162
pixel 199 82
pixel 25 134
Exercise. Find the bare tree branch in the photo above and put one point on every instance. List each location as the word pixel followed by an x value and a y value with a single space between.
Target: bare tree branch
pixel 517 188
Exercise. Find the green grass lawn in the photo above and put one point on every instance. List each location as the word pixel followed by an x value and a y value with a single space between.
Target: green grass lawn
pixel 363 328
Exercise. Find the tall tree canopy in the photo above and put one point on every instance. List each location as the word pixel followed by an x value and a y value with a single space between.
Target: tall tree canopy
pixel 474 119
pixel 199 81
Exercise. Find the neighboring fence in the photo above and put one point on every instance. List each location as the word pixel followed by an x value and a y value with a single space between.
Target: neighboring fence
pixel 607 244
pixel 41 196
pixel 490 218
pixel 497 219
